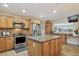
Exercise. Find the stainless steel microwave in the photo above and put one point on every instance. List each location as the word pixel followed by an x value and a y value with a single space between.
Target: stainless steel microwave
pixel 18 25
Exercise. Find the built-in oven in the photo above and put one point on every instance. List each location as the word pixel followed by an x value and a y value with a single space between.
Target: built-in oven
pixel 20 43
pixel 20 39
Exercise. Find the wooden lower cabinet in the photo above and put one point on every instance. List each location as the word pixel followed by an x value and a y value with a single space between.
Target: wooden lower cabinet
pixel 6 43
pixel 52 47
pixel 48 48
pixel 56 47
pixel 2 44
pixel 9 43
pixel 45 47
pixel 34 48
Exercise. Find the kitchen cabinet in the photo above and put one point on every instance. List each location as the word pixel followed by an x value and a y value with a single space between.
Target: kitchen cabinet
pixel 30 29
pixel 6 43
pixel 27 23
pixel 9 21
pixel 6 22
pixel 2 44
pixel 3 22
pixel 51 46
pixel 57 47
pixel 9 43
pixel 34 48
pixel 46 48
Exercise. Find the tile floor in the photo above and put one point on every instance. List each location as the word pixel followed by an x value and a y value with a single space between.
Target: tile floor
pixel 13 53
pixel 70 50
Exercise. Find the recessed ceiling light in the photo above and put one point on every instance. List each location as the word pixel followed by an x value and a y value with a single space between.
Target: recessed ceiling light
pixel 54 11
pixel 5 5
pixel 41 16
pixel 23 10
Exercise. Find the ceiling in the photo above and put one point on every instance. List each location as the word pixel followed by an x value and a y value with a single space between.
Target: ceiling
pixel 42 9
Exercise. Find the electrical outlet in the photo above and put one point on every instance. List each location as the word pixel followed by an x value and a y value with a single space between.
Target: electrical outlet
pixel 33 44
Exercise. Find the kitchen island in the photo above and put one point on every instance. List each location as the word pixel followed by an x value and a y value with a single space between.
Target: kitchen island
pixel 48 45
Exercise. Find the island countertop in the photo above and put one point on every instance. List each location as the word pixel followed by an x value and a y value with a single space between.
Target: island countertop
pixel 43 38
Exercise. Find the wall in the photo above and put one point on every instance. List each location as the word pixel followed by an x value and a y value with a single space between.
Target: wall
pixel 42 28
pixel 61 20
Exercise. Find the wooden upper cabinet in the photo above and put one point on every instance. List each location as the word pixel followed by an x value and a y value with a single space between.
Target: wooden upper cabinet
pixel 2 44
pixel 9 22
pixel 9 43
pixel 3 22
pixel 30 27
pixel 6 22
pixel 27 23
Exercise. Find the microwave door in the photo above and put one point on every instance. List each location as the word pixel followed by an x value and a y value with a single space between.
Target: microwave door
pixel 18 25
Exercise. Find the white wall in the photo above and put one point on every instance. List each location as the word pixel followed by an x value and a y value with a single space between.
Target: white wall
pixel 61 20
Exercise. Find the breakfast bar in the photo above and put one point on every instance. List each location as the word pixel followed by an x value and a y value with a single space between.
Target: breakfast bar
pixel 47 45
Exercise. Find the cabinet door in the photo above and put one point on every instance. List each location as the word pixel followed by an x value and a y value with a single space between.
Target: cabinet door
pixel 61 42
pixel 9 22
pixel 34 48
pixel 52 47
pixel 2 44
pixel 3 22
pixel 27 23
pixel 46 48
pixel 30 29
pixel 9 43
pixel 60 45
pixel 56 47
pixel 30 49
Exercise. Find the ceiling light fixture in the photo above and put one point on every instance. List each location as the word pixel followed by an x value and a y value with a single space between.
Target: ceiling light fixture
pixel 41 16
pixel 5 5
pixel 54 11
pixel 23 10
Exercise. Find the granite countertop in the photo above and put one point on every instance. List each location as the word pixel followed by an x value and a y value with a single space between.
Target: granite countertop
pixel 5 36
pixel 43 38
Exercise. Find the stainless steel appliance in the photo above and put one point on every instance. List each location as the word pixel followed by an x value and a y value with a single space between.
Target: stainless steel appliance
pixel 20 43
pixel 36 29
pixel 18 25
